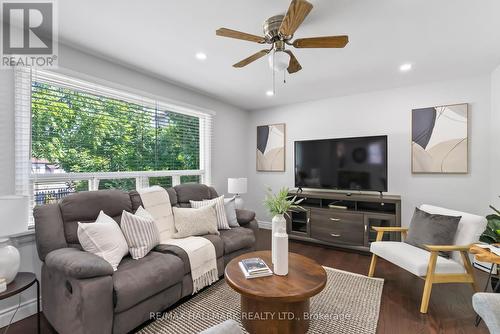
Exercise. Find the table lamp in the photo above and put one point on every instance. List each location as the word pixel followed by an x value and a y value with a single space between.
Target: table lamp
pixel 237 186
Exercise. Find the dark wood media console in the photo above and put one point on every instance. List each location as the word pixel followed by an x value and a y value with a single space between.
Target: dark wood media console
pixel 344 220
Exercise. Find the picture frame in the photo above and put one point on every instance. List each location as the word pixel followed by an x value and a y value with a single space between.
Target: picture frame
pixel 440 139
pixel 271 148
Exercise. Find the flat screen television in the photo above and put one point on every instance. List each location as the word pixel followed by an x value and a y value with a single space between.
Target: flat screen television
pixel 342 164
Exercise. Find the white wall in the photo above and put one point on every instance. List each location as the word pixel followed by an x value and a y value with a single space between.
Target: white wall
pixel 495 138
pixel 386 113
pixel 229 144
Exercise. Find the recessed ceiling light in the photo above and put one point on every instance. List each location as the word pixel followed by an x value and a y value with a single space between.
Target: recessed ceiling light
pixel 270 93
pixel 201 56
pixel 405 67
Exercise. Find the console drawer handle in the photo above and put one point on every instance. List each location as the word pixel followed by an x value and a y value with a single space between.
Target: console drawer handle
pixel 335 235
pixel 335 219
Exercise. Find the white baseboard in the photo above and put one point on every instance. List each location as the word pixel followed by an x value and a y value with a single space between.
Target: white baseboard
pixel 265 225
pixel 26 309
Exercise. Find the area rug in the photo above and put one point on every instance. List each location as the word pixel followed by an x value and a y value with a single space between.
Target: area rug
pixel 349 304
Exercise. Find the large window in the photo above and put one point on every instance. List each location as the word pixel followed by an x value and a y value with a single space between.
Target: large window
pixel 85 136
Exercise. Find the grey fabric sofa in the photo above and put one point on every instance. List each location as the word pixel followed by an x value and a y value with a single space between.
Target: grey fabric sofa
pixel 487 306
pixel 80 291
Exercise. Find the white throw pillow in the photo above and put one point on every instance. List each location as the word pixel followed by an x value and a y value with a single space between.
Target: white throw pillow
pixel 140 231
pixel 190 221
pixel 222 223
pixel 103 238
pixel 230 208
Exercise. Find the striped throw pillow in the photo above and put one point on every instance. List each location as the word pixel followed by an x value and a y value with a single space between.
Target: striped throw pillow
pixel 222 223
pixel 140 231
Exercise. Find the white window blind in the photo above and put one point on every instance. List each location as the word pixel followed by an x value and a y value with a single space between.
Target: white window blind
pixel 74 135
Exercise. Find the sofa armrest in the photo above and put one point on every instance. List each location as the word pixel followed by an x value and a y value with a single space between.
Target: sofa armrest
pixel 78 264
pixel 244 216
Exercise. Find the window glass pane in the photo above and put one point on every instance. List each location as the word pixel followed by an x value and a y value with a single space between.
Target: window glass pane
pixel 190 179
pixel 162 181
pixel 74 131
pixel 51 192
pixel 122 184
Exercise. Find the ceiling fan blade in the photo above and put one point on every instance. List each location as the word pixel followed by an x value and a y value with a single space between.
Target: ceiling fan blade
pixel 251 59
pixel 239 35
pixel 294 17
pixel 322 42
pixel 294 65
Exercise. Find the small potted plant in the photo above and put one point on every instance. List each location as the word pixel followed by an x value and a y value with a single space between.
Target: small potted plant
pixel 279 205
pixel 491 235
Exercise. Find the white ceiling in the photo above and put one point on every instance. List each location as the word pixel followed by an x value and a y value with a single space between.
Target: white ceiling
pixel 443 39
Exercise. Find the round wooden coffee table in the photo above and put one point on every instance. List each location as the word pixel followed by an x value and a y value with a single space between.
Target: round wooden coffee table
pixel 277 304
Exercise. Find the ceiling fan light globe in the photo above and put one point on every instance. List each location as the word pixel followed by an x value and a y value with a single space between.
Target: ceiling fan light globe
pixel 279 60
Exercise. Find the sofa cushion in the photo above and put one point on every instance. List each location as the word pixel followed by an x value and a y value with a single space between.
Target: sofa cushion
pixel 217 242
pixel 237 238
pixel 177 251
pixel 85 206
pixel 192 192
pixel 413 259
pixel 137 280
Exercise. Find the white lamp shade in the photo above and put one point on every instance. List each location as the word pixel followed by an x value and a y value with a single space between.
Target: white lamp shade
pixel 14 210
pixel 237 185
pixel 279 60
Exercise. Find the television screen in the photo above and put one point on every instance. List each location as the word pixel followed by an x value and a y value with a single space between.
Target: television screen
pixel 344 164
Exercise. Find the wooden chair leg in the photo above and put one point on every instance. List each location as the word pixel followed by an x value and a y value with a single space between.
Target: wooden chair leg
pixel 371 272
pixel 426 296
pixel 470 270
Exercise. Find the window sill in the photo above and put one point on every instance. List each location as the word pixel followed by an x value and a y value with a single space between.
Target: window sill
pixel 23 238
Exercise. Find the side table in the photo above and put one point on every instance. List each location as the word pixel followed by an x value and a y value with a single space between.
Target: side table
pixel 484 255
pixel 22 282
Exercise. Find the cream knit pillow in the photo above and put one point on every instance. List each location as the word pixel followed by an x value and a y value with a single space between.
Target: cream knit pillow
pixel 190 221
pixel 218 202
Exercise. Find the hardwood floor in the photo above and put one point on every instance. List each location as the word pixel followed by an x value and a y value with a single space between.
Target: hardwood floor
pixel 450 309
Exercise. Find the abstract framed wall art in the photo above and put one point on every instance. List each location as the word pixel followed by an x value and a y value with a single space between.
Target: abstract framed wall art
pixel 271 148
pixel 440 139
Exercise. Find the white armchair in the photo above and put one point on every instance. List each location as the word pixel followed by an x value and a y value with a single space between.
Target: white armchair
pixel 426 264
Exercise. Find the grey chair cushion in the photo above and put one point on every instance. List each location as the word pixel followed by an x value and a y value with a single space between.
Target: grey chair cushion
pixel 237 238
pixel 78 264
pixel 487 306
pixel 227 327
pixel 137 280
pixel 432 229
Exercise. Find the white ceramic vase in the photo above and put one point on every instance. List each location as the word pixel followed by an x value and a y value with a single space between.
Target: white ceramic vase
pixel 278 226
pixel 9 260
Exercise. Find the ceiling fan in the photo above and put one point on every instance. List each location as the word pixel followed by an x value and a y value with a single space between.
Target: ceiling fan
pixel 278 31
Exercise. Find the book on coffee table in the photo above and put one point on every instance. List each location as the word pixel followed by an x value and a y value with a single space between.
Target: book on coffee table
pixel 254 267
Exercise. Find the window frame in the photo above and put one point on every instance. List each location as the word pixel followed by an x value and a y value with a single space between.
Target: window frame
pixel 25 177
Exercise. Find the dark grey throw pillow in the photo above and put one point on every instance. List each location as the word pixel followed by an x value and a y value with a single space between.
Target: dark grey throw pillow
pixel 430 229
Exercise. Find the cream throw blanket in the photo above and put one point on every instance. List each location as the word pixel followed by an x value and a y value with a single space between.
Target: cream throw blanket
pixel 200 251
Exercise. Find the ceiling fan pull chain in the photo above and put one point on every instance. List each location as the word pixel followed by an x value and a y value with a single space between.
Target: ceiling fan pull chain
pixel 284 76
